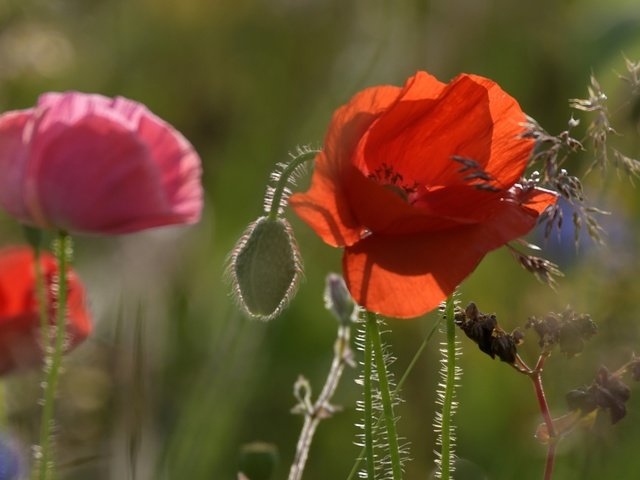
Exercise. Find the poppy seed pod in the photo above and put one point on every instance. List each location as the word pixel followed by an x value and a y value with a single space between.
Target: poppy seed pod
pixel 265 268
pixel 418 184
pixel 20 335
pixel 91 164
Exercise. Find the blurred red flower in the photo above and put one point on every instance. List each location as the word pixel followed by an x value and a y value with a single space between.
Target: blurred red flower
pixel 418 184
pixel 92 164
pixel 20 335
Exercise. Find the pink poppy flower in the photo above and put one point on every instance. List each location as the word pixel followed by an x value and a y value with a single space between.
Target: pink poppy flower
pixel 20 335
pixel 91 164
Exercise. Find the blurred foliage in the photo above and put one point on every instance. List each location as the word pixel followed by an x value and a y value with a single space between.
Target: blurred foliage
pixel 175 380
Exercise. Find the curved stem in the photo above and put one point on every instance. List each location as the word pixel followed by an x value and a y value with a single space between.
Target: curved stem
pixel 322 407
pixel 54 360
pixel 385 395
pixel 368 405
pixel 447 403
pixel 536 378
pixel 284 178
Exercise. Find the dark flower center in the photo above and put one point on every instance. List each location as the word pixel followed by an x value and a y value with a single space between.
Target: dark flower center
pixel 386 176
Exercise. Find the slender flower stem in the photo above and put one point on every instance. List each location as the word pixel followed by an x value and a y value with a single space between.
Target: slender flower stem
pixel 551 454
pixel 34 238
pixel 284 178
pixel 43 303
pixel 536 377
pixel 368 404
pixel 322 408
pixel 447 402
pixel 395 393
pixel 385 395
pixel 53 360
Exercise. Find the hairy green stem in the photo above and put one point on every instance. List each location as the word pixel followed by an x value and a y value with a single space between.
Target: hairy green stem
pixel 34 238
pixel 53 360
pixel 447 404
pixel 43 303
pixel 385 395
pixel 284 178
pixel 396 392
pixel 368 405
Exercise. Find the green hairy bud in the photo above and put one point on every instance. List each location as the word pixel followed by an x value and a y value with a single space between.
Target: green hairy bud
pixel 265 268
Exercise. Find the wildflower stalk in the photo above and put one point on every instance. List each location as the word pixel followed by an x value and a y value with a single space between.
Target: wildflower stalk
pixel 322 408
pixel 34 237
pixel 536 377
pixel 373 332
pixel 395 394
pixel 446 435
pixel 53 360
pixel 283 180
pixel 368 402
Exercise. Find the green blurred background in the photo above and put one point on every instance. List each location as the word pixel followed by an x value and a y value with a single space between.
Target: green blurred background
pixel 175 380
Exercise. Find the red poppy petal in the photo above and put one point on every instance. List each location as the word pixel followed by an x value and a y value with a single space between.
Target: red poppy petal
pixel 19 320
pixel 509 151
pixel 325 206
pixel 472 118
pixel 407 276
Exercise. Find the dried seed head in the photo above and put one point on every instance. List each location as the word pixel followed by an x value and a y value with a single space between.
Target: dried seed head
pixel 484 330
pixel 265 268
pixel 569 330
pixel 337 299
pixel 607 392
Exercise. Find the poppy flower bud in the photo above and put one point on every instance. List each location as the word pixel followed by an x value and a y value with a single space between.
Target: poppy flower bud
pixel 87 163
pixel 337 299
pixel 258 461
pixel 265 268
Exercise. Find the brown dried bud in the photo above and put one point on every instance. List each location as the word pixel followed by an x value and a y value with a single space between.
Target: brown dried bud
pixel 568 330
pixel 483 329
pixel 607 392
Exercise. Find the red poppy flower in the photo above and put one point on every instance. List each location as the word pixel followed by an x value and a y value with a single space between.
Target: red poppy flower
pixel 20 335
pixel 87 163
pixel 414 221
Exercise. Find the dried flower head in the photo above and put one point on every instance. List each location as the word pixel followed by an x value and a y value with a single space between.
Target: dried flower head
pixel 484 330
pixel 569 330
pixel 607 392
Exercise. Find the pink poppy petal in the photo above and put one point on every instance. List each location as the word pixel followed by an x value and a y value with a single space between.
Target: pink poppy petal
pixel 14 153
